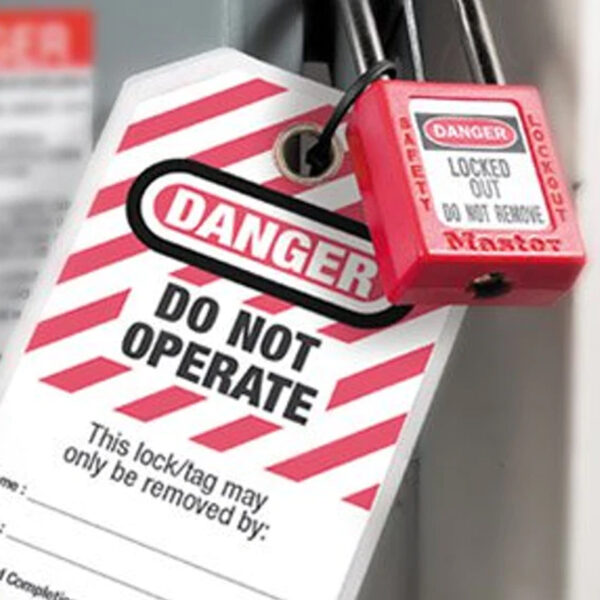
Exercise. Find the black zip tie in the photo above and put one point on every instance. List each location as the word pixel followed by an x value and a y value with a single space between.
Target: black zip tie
pixel 319 156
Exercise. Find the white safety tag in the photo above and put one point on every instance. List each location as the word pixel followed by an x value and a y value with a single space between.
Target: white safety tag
pixel 210 395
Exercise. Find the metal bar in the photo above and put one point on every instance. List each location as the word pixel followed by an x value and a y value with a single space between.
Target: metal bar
pixel 479 42
pixel 360 26
pixel 414 40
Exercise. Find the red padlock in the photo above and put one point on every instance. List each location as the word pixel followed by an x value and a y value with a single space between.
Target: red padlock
pixel 462 188
pixel 463 193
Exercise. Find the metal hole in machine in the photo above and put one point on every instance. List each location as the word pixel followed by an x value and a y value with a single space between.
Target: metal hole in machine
pixel 291 148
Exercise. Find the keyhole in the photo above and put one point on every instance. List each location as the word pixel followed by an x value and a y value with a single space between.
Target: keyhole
pixel 490 285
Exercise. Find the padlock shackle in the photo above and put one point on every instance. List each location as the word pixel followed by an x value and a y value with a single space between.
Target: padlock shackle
pixel 414 39
pixel 363 36
pixel 479 42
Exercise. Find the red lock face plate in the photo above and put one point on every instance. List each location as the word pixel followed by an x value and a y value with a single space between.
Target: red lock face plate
pixel 464 195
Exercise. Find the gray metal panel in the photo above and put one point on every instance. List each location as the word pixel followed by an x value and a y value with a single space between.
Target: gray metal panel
pixel 493 460
pixel 394 572
pixel 137 35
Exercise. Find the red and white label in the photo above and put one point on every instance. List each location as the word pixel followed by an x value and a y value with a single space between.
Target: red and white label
pixel 45 39
pixel 470 132
pixel 479 165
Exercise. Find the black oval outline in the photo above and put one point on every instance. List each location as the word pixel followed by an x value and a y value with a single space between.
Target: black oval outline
pixel 376 320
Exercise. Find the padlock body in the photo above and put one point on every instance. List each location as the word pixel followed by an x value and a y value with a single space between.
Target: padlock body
pixel 463 193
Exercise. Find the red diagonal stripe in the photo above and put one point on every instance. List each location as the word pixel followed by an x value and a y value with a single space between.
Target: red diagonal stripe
pixel 160 404
pixel 194 276
pixel 353 211
pixel 380 376
pixel 269 304
pixel 195 112
pixel 218 156
pixel 349 335
pixel 364 499
pixel 292 188
pixel 111 197
pixel 421 310
pixel 102 255
pixel 78 320
pixel 85 374
pixel 340 452
pixel 258 141
pixel 236 433
pixel 283 185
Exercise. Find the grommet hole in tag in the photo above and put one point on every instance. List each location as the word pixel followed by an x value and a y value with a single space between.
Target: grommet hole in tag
pixel 490 285
pixel 291 149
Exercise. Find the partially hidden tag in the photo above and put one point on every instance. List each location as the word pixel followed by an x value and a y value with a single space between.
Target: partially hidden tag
pixel 209 393
pixel 45 139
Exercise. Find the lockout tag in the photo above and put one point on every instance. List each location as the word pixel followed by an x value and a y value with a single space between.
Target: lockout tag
pixel 45 139
pixel 211 392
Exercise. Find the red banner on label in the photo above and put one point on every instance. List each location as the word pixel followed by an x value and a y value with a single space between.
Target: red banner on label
pixel 45 39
